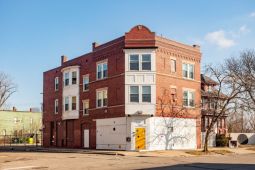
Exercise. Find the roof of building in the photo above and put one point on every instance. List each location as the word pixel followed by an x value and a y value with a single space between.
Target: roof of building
pixel 207 80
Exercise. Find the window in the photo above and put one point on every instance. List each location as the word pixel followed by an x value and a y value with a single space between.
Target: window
pixel 209 88
pixel 146 62
pixel 56 106
pixel 173 65
pixel 134 93
pixel 74 103
pixel 204 103
pixel 188 99
pixel 85 83
pixel 188 70
pixel 191 71
pixel 134 62
pixel 212 104
pixel 102 98
pixel 66 103
pixel 66 79
pixel 174 94
pixel 102 71
pixel 146 95
pixel 56 83
pixel 74 77
pixel 85 107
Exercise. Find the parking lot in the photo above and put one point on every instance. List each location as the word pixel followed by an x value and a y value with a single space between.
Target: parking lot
pixel 61 161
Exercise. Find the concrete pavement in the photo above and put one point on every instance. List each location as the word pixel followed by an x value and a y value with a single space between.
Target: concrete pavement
pixel 62 161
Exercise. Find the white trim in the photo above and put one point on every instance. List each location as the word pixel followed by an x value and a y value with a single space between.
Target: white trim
pixel 102 90
pixel 56 82
pixel 83 107
pixel 189 92
pixel 188 65
pixel 56 104
pixel 69 67
pixel 102 69
pixel 85 76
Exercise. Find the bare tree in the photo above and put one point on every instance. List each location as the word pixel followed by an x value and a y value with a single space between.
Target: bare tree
pixel 7 88
pixel 243 68
pixel 170 110
pixel 223 95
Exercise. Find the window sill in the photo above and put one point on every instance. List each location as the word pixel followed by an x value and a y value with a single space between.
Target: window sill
pixel 101 79
pixel 140 70
pixel 103 107
pixel 71 85
pixel 142 103
pixel 185 78
pixel 189 107
pixel 85 90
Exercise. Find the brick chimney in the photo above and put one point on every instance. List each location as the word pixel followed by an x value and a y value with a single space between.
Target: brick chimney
pixel 196 46
pixel 94 45
pixel 63 59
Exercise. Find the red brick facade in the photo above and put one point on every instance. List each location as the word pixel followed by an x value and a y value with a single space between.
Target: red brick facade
pixel 69 133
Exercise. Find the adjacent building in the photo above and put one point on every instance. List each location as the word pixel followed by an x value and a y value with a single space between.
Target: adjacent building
pixel 110 97
pixel 208 97
pixel 19 123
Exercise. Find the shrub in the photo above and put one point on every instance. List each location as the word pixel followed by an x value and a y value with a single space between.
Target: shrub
pixel 221 140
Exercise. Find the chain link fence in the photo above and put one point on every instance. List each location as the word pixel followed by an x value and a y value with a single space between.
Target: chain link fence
pixel 25 140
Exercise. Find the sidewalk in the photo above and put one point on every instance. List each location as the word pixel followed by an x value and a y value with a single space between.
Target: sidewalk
pixel 167 153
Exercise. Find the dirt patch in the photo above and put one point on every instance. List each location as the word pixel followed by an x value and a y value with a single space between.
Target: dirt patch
pixel 251 149
pixel 210 152
pixel 41 167
pixel 222 152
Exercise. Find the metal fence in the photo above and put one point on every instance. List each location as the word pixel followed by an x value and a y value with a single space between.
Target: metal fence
pixel 21 140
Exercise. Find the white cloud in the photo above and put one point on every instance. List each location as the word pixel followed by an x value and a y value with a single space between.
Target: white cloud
pixel 252 14
pixel 244 29
pixel 219 38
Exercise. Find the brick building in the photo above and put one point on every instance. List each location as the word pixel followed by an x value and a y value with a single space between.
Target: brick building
pixel 208 97
pixel 108 98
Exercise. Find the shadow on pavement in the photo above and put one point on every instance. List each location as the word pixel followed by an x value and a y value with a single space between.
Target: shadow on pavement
pixel 206 166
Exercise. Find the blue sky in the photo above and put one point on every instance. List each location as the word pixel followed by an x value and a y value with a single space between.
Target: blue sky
pixel 34 34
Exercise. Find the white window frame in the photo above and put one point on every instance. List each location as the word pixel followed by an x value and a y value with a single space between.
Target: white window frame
pixel 104 92
pixel 56 106
pixel 83 84
pixel 130 94
pixel 76 76
pixel 75 103
pixel 129 62
pixel 66 103
pixel 102 63
pixel 84 102
pixel 140 61
pixel 56 83
pixel 66 78
pixel 188 70
pixel 143 94
pixel 140 93
pixel 173 69
pixel 189 93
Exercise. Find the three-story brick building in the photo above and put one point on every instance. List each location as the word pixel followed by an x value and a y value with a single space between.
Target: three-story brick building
pixel 108 98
